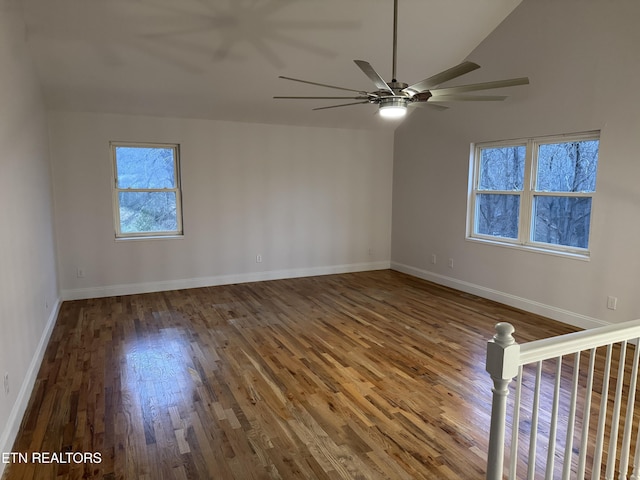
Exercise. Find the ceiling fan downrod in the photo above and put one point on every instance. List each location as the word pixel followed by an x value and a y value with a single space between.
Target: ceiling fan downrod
pixel 395 40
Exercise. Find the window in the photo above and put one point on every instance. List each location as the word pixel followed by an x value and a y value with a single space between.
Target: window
pixel 146 191
pixel 536 193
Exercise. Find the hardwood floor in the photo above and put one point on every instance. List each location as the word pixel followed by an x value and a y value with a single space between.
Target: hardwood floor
pixel 374 375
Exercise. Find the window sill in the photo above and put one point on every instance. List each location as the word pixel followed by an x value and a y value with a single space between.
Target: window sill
pixel 150 237
pixel 585 257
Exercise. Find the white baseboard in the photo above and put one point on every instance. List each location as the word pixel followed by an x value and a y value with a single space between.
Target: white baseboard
pixel 22 401
pixel 147 287
pixel 549 311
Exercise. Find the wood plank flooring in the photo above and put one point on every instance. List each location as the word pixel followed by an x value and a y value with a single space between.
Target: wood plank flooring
pixel 374 375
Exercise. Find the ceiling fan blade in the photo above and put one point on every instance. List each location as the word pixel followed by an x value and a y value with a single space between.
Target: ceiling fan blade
pixel 362 92
pixel 435 106
pixel 512 82
pixel 373 76
pixel 438 78
pixel 467 98
pixel 325 98
pixel 341 105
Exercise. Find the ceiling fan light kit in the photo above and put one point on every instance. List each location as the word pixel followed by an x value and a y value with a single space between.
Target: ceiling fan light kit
pixel 393 98
pixel 393 107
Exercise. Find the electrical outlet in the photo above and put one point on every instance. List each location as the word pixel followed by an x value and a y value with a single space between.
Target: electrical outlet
pixel 6 383
pixel 434 258
pixel 258 258
pixel 612 302
pixel 80 272
pixel 451 263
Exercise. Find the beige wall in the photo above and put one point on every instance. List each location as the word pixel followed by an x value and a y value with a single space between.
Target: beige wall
pixel 583 64
pixel 28 290
pixel 309 200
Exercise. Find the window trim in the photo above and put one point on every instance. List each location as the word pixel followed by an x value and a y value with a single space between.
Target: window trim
pixel 119 235
pixel 527 195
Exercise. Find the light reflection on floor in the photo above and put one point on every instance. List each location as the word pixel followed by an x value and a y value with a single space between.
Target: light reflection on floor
pixel 158 370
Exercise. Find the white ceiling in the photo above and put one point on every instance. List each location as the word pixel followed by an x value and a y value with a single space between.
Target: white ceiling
pixel 221 59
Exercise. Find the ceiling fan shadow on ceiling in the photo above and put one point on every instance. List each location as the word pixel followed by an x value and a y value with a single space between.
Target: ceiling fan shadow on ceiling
pixel 394 97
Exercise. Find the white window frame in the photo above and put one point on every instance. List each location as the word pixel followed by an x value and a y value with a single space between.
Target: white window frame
pixel 527 194
pixel 119 235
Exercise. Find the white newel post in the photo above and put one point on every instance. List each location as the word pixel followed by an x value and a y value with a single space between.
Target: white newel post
pixel 503 354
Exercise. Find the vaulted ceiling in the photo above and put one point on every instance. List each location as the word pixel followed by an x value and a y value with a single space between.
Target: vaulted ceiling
pixel 221 59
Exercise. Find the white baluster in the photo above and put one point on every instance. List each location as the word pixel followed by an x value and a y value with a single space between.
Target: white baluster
pixel 628 426
pixel 597 453
pixel 586 416
pixel 503 354
pixel 533 437
pixel 615 420
pixel 635 475
pixel 568 446
pixel 636 456
pixel 554 420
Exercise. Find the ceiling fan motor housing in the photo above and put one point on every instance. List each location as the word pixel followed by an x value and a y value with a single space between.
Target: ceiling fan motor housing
pixel 397 87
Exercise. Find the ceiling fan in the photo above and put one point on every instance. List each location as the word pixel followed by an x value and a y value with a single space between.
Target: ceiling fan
pixel 394 97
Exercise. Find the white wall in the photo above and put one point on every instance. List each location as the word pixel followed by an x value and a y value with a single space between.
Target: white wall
pixel 583 62
pixel 309 200
pixel 28 290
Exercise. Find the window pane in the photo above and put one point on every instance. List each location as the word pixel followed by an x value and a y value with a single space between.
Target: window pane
pixel 502 168
pixel 145 167
pixel 567 167
pixel 147 212
pixel 562 220
pixel 497 215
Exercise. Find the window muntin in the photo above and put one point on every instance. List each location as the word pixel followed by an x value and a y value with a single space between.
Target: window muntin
pixel 147 200
pixel 535 192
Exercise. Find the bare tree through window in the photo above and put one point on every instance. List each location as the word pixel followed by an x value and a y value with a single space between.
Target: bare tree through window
pixel 147 194
pixel 535 191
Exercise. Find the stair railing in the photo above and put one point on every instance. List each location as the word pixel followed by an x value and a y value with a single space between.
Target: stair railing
pixel 572 394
